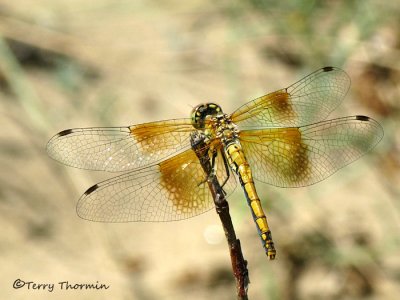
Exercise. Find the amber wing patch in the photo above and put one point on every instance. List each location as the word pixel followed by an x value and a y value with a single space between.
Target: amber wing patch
pixel 117 149
pixel 174 189
pixel 299 156
pixel 277 155
pixel 181 177
pixel 307 101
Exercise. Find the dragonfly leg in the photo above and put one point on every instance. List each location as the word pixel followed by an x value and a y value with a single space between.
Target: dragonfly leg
pixel 214 168
pixel 213 172
pixel 226 169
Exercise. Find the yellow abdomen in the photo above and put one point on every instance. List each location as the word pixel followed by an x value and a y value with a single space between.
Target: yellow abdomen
pixel 240 166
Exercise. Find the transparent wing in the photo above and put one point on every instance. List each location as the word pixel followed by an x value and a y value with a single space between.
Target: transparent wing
pixel 307 101
pixel 174 189
pixel 116 149
pixel 299 156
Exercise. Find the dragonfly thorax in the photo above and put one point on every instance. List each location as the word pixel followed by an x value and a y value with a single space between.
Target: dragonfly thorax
pixel 224 129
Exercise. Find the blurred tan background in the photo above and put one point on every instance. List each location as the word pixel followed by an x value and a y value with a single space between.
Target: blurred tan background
pixel 71 63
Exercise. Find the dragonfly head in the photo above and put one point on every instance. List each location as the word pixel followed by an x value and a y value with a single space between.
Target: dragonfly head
pixel 203 112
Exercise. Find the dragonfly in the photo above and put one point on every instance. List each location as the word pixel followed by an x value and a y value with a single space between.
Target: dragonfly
pixel 282 138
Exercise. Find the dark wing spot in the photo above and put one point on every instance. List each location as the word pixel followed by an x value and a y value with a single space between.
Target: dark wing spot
pixel 65 132
pixel 91 189
pixel 328 69
pixel 362 118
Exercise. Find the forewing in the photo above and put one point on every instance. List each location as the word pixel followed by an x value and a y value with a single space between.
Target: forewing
pixel 300 156
pixel 117 149
pixel 174 189
pixel 305 102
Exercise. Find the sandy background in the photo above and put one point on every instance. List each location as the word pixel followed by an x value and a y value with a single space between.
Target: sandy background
pixel 71 63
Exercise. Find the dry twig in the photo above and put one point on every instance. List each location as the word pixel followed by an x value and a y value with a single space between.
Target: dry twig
pixel 239 264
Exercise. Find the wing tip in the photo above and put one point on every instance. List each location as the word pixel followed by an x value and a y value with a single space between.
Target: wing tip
pixel 91 190
pixel 378 127
pixel 64 132
pixel 328 69
pixel 82 209
pixel 362 118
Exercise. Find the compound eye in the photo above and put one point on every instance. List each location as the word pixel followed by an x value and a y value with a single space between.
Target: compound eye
pixel 197 116
pixel 203 112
